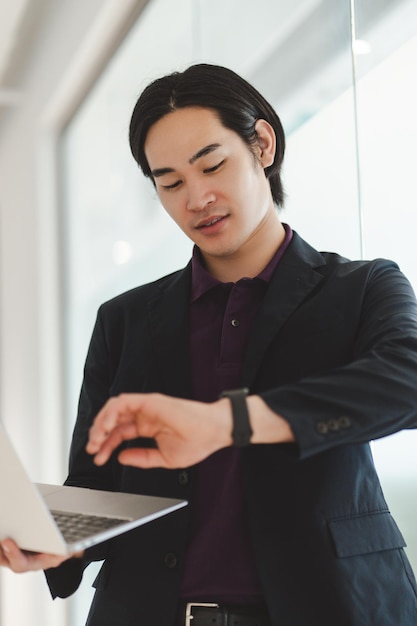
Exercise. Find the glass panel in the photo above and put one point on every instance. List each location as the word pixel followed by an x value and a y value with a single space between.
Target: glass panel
pixel 300 59
pixel 386 62
pixel 113 225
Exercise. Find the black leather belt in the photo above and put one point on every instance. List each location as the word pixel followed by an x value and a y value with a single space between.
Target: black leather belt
pixel 207 614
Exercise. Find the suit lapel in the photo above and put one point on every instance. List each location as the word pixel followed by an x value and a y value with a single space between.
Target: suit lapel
pixel 168 319
pixel 294 278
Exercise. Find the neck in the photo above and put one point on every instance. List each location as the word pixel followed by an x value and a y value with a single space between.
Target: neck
pixel 249 260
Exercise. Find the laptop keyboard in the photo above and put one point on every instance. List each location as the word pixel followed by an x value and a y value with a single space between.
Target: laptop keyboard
pixel 76 526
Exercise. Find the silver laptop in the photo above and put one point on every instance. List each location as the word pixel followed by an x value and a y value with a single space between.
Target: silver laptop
pixel 63 520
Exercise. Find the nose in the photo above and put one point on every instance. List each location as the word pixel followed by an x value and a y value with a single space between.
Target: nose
pixel 200 195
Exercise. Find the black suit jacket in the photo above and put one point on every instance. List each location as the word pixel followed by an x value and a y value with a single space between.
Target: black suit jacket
pixel 334 350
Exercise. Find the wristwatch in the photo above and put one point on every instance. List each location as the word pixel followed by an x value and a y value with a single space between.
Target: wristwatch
pixel 242 431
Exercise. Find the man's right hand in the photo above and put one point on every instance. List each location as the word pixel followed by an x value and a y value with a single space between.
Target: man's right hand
pixel 21 561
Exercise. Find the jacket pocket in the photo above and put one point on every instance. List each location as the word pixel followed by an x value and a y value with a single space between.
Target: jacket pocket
pixel 365 533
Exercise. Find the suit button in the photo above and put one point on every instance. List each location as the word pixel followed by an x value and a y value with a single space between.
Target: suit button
pixel 170 560
pixel 183 478
pixel 333 425
pixel 344 422
pixel 322 428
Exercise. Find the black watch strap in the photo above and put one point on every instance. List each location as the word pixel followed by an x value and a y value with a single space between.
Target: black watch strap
pixel 242 431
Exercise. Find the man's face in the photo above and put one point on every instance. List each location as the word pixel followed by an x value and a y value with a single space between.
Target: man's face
pixel 209 181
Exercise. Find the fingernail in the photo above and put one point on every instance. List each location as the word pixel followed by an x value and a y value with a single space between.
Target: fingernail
pixel 5 548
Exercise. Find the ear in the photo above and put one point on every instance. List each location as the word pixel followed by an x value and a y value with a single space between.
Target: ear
pixel 266 142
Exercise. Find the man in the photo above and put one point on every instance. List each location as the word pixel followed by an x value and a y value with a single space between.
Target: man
pixel 316 355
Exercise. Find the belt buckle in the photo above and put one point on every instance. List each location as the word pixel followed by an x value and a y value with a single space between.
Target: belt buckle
pixel 189 610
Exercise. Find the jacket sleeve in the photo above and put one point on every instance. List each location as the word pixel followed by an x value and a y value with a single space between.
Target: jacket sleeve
pixel 375 393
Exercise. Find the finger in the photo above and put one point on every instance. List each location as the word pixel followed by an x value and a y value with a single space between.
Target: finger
pixel 3 556
pixel 19 561
pixel 13 557
pixel 121 433
pixel 116 411
pixel 143 457
pixel 103 424
pixel 41 561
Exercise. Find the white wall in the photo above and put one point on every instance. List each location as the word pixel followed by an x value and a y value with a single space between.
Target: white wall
pixel 28 272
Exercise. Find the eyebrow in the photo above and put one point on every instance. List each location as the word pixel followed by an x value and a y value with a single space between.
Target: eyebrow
pixel 198 155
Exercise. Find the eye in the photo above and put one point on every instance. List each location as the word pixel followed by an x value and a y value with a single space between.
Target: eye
pixel 172 186
pixel 209 170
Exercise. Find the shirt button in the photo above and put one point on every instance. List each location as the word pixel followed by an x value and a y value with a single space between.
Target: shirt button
pixel 170 560
pixel 235 323
pixel 183 478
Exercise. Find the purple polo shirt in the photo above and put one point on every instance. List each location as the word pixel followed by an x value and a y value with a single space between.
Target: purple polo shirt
pixel 219 564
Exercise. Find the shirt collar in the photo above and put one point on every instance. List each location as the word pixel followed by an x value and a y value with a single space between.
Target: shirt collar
pixel 202 281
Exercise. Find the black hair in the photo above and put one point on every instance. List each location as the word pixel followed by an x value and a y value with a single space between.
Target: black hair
pixel 237 103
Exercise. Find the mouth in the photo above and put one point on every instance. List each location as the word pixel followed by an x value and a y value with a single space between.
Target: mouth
pixel 210 223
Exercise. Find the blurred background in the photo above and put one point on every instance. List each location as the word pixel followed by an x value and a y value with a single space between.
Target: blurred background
pixel 79 224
